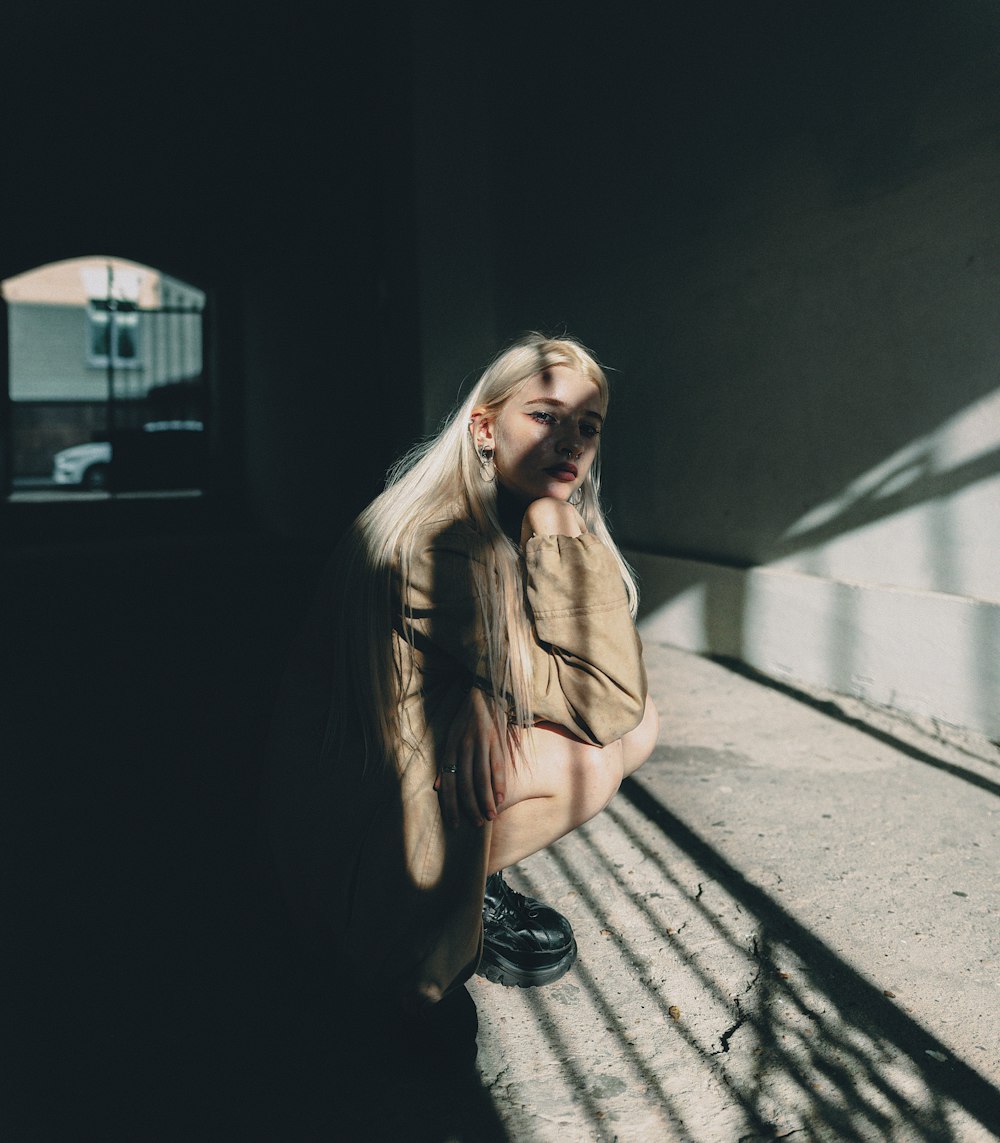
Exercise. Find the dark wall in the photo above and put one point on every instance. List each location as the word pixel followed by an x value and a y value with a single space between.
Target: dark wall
pixel 779 223
pixel 153 990
pixel 246 154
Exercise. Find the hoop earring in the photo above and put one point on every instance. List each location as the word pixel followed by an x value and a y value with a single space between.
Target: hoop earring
pixel 577 498
pixel 487 469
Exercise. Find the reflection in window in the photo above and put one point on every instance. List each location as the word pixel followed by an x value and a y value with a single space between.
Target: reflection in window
pixel 122 408
pixel 113 328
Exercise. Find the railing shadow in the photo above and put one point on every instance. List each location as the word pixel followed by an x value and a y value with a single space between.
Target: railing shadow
pixel 867 1008
pixel 794 1040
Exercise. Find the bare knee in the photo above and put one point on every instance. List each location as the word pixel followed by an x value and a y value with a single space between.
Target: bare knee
pixel 593 780
pixel 638 744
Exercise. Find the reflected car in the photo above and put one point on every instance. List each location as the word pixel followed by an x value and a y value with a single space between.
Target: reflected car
pixel 84 465
pixel 162 453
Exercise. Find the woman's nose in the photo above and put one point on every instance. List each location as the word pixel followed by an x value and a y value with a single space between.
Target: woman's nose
pixel 570 444
pixel 570 440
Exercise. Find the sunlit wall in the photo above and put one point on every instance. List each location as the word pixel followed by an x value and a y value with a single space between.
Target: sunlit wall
pixel 782 231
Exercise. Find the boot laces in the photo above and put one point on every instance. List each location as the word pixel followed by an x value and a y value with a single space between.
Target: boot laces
pixel 510 904
pixel 514 903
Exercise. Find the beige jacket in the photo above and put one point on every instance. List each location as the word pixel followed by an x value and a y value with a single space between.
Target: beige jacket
pixel 367 861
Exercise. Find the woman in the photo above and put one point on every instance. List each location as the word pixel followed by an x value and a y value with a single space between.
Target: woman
pixel 469 688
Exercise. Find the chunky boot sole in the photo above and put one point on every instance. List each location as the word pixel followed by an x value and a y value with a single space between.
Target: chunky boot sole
pixel 500 970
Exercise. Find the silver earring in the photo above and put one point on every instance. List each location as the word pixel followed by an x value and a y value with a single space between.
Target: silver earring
pixel 487 469
pixel 577 498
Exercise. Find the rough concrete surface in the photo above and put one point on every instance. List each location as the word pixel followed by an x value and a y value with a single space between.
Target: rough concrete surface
pixel 788 928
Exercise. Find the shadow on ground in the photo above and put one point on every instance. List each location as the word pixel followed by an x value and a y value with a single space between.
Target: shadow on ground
pixel 856 1063
pixel 701 1009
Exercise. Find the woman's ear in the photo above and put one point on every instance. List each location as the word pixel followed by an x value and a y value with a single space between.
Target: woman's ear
pixel 481 427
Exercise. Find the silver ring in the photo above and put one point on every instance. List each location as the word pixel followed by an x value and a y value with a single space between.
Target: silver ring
pixel 449 769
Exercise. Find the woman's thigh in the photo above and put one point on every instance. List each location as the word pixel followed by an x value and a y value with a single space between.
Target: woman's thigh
pixel 560 783
pixel 638 744
pixel 557 784
pixel 556 764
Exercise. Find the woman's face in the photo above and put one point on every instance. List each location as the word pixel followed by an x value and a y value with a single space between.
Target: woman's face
pixel 545 438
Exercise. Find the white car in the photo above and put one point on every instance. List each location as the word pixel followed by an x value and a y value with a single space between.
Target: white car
pixel 84 464
pixel 87 465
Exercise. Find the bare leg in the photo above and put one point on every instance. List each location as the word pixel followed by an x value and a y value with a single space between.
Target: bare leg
pixel 562 783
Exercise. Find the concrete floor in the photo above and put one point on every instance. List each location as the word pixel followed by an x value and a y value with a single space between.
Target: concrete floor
pixel 789 926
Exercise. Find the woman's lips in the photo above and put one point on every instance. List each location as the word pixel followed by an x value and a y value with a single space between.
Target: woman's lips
pixel 564 472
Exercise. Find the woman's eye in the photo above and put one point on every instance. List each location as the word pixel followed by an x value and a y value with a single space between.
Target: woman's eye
pixel 542 417
pixel 589 430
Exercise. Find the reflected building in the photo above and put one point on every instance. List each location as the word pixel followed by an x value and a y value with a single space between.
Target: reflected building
pixel 98 347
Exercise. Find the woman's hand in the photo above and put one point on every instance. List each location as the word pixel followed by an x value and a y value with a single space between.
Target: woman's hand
pixel 478 752
pixel 548 516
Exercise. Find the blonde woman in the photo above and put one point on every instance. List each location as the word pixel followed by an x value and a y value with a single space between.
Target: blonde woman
pixel 468 689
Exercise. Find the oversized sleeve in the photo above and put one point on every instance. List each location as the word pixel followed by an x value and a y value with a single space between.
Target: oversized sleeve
pixel 587 668
pixel 588 673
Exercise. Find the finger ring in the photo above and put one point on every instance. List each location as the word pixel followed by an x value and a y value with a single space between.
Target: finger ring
pixel 449 769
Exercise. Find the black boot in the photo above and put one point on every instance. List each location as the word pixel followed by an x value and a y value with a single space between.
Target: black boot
pixel 525 943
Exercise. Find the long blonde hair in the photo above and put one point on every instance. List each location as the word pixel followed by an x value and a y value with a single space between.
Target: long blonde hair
pixel 439 480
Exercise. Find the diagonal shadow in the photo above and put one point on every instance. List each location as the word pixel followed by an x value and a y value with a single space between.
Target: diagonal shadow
pixel 829 708
pixel 874 504
pixel 958 1082
pixel 613 1018
pixel 769 990
pixel 768 1025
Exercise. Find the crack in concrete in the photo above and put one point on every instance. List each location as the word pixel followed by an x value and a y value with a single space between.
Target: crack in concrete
pixel 741 1017
pixel 730 1032
pixel 498 1078
pixel 751 984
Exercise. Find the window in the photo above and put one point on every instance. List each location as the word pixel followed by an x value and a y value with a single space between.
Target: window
pixel 113 327
pixel 122 410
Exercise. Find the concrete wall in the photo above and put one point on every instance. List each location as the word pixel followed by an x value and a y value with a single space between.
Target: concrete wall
pixel 925 653
pixel 781 226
